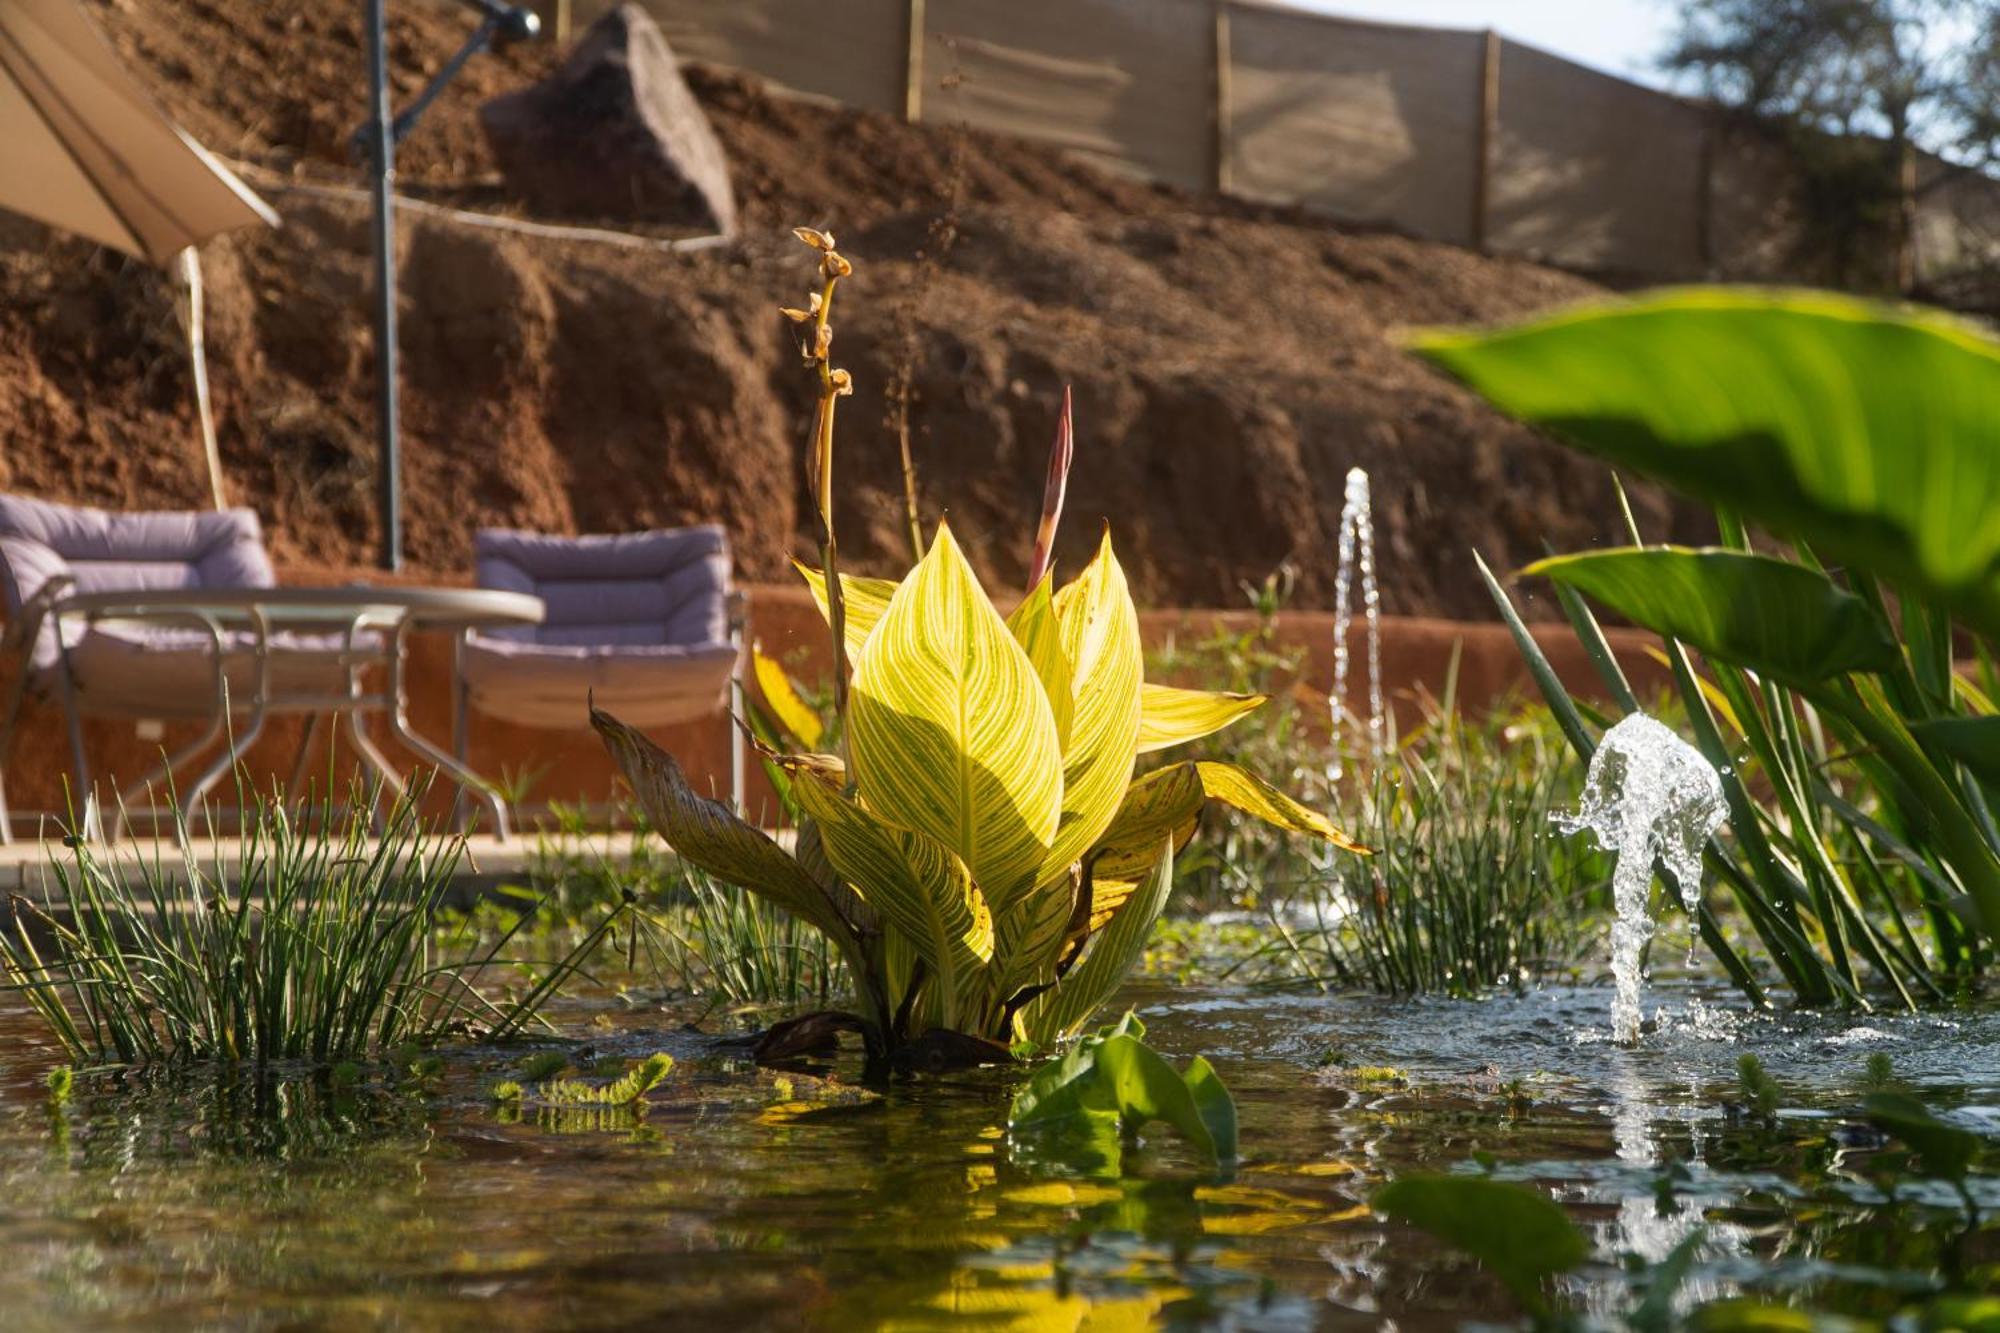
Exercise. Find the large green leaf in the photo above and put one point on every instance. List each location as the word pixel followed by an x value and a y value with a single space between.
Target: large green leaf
pixel 1772 616
pixel 1869 431
pixel 709 835
pixel 1099 632
pixel 1946 1151
pixel 1520 1235
pixel 1169 716
pixel 1972 741
pixel 911 881
pixel 951 732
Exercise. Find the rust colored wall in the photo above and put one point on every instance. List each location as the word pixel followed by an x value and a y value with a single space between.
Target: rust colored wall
pixel 572 766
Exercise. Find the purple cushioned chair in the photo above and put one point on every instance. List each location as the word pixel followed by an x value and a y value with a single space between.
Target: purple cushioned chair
pixel 119 670
pixel 644 622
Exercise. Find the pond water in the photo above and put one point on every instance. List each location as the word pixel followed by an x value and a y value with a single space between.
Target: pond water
pixel 748 1199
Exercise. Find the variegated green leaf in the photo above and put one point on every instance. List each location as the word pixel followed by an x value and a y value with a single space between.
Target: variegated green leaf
pixel 950 730
pixel 792 712
pixel 866 600
pixel 1170 716
pixel 708 834
pixel 915 884
pixel 1100 639
pixel 1033 625
pixel 1110 955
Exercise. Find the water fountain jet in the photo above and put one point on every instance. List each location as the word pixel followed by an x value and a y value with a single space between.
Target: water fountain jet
pixel 1356 553
pixel 1650 797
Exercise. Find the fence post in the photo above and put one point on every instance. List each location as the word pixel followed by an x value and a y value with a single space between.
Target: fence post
pixel 1219 110
pixel 913 62
pixel 1489 133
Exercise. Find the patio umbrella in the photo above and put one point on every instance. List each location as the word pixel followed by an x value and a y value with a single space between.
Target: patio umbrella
pixel 84 148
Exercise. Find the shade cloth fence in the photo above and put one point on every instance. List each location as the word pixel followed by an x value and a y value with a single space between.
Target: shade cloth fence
pixel 1453 135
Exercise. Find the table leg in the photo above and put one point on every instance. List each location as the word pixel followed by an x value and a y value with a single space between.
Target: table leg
pixel 399 727
pixel 357 729
pixel 235 746
pixel 164 772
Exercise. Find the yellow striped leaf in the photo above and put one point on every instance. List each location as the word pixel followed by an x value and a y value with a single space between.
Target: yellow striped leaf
pixel 866 598
pixel 1165 803
pixel 1170 716
pixel 708 834
pixel 792 712
pixel 1029 938
pixel 1100 638
pixel 951 731
pixel 1254 796
pixel 1033 625
pixel 913 883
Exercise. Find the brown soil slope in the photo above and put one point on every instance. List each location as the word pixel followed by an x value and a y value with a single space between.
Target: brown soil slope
pixel 1229 363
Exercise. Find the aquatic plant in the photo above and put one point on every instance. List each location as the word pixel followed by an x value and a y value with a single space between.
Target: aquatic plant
pixel 1522 1237
pixel 1107 1087
pixel 978 850
pixel 1861 435
pixel 318 942
pixel 625 1090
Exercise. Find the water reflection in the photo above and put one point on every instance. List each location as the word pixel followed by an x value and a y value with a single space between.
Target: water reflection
pixel 739 1200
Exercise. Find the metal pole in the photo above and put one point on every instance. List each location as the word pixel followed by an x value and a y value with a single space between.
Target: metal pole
pixel 382 147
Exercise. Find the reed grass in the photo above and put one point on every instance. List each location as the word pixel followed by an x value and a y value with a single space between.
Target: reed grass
pixel 320 942
pixel 1470 886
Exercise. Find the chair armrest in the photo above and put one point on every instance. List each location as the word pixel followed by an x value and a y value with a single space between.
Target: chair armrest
pixel 24 627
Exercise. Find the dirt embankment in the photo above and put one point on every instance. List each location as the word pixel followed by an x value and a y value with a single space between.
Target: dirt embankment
pixel 1229 363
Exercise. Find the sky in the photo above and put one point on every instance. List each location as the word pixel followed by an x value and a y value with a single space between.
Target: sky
pixel 1617 36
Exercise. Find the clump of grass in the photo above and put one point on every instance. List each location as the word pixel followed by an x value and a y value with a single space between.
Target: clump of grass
pixel 319 943
pixel 691 934
pixel 61 1083
pixel 1470 886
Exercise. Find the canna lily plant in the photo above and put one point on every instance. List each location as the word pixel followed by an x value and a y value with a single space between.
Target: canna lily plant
pixel 979 849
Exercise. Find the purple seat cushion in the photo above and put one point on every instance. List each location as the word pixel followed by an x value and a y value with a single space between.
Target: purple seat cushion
pixel 639 620
pixel 103 551
pixel 637 589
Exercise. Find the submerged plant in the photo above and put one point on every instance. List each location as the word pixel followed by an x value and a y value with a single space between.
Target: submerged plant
pixel 320 942
pixel 1522 1237
pixel 978 852
pixel 1107 1087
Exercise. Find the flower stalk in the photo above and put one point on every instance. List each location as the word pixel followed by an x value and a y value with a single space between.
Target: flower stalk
pixel 816 345
pixel 1061 453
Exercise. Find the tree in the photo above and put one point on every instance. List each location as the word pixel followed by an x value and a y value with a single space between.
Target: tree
pixel 1864 83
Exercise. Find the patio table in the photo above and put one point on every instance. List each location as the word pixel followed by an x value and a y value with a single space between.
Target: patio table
pixel 359 626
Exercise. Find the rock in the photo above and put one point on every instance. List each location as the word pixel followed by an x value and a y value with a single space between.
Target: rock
pixel 614 133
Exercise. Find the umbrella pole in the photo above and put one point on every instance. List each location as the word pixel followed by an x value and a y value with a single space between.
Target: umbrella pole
pixel 191 322
pixel 382 153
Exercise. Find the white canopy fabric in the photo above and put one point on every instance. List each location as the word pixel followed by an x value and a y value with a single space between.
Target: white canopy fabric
pixel 83 147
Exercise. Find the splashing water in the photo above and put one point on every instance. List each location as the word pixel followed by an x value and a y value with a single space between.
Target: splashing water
pixel 1357 551
pixel 1649 796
